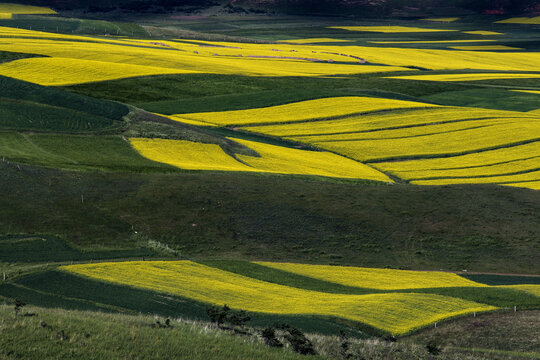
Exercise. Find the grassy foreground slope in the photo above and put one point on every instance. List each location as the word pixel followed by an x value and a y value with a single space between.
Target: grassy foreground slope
pixel 269 217
pixel 54 334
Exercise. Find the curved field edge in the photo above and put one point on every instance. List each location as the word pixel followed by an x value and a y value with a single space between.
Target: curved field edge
pixel 215 286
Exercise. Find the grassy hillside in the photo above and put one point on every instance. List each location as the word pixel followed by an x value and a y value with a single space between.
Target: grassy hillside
pixel 227 215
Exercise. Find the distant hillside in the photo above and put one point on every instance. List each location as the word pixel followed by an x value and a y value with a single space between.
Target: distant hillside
pixel 361 8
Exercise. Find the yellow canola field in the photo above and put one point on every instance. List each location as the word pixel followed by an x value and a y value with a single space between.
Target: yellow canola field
pixel 522 178
pixel 314 41
pixel 274 159
pixel 187 155
pixel 485 48
pixel 185 56
pixel 430 42
pixel 387 29
pixel 521 20
pixel 529 91
pixel 406 132
pixel 24 9
pixel 61 71
pixel 467 77
pixel 377 121
pixel 483 32
pixel 381 279
pixel 442 144
pixel 448 19
pixel 304 110
pixel 5 15
pixel 397 313
pixel 283 160
pixel 504 160
pixel 534 185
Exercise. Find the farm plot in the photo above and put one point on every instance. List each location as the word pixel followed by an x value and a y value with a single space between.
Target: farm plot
pixel 467 77
pixel 381 121
pixel 305 110
pixel 396 313
pixel 488 163
pixel 500 179
pixel 521 20
pixel 8 8
pixel 388 29
pixel 274 159
pixel 383 279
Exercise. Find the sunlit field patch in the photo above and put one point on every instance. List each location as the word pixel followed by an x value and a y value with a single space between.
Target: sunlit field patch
pixel 467 77
pixel 273 159
pixel 529 91
pixel 494 162
pixel 62 71
pixel 431 42
pixel 533 289
pixel 305 110
pixel 24 9
pixel 447 19
pixel 485 48
pixel 521 20
pixel 483 32
pixel 382 279
pixel 532 176
pixel 397 313
pixel 388 29
pixel 314 41
pixel 5 15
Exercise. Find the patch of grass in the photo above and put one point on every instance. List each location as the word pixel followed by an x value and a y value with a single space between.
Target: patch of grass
pixel 488 98
pixel 506 331
pixel 6 56
pixel 175 94
pixel 57 334
pixel 217 215
pixel 108 153
pixel 489 279
pixel 24 91
pixel 43 248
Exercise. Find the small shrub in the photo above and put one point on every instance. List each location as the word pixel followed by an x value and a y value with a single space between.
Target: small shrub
pixel 298 340
pixel 433 348
pixel 269 336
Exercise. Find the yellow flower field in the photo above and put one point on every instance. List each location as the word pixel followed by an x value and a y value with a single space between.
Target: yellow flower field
pixel 292 161
pixel 387 29
pixel 467 77
pixel 275 159
pixel 62 71
pixel 24 9
pixel 314 41
pixel 304 110
pixel 447 19
pixel 382 279
pixel 504 160
pixel 441 144
pixel 526 177
pixel 431 42
pixel 521 20
pixel 483 32
pixel 485 48
pixel 529 91
pixel 378 121
pixel 397 313
pixel 187 154
pixel 405 133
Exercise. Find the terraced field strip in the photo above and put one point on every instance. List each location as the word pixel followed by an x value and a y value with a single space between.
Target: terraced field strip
pixel 529 91
pixel 485 48
pixel 382 279
pixel 432 42
pixel 534 185
pixel 305 111
pixel 531 176
pixel 483 32
pixel 433 145
pixel 532 289
pixel 388 29
pixel 274 159
pixel 521 20
pixel 396 313
pixel 382 121
pixel 447 19
pixel 488 163
pixel 24 9
pixel 64 71
pixel 467 77
pixel 186 57
pixel 314 41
